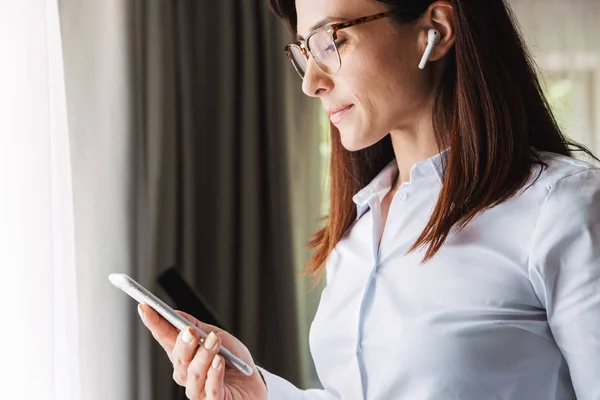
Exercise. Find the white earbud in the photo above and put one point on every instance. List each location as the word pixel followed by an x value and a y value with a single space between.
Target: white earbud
pixel 433 38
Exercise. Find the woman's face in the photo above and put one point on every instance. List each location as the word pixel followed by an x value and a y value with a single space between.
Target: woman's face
pixel 379 78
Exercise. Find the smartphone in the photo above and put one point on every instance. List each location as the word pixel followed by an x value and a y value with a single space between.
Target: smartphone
pixel 144 296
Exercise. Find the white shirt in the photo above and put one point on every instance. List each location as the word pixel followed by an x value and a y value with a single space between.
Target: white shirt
pixel 509 308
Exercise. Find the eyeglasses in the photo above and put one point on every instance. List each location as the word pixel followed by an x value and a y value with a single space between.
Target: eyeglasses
pixel 321 44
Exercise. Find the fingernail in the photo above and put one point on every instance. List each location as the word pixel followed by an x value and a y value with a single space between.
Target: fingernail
pixel 187 336
pixel 210 341
pixel 216 361
pixel 140 311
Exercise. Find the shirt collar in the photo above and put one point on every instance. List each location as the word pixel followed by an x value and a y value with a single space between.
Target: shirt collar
pixel 384 179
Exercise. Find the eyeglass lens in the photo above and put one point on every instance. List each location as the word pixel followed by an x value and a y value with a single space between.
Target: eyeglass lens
pixel 323 50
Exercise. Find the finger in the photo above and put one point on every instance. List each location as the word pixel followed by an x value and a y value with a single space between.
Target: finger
pixel 200 365
pixel 162 330
pixel 183 353
pixel 215 381
pixel 203 327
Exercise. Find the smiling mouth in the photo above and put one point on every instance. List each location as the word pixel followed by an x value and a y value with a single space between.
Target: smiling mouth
pixel 335 116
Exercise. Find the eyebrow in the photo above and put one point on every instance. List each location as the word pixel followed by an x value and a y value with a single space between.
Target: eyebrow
pixel 321 23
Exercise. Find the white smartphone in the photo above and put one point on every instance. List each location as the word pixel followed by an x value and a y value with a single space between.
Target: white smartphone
pixel 144 296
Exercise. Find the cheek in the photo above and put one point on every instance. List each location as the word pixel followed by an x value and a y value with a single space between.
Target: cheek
pixel 382 86
pixel 381 66
pixel 397 83
pixel 367 77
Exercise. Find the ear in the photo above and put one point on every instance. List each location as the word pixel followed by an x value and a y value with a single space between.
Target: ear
pixel 439 16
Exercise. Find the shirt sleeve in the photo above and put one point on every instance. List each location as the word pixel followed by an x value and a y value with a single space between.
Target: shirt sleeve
pixel 280 389
pixel 565 272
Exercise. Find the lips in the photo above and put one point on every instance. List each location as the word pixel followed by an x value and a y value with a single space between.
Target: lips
pixel 336 114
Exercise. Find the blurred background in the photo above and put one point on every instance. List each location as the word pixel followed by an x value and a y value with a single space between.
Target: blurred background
pixel 140 135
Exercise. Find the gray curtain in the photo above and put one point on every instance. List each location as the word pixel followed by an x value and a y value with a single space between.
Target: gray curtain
pixel 211 169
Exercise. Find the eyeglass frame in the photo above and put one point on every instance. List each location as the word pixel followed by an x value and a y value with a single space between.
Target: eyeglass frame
pixel 332 30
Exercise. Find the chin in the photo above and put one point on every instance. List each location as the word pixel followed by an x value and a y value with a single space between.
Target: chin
pixel 349 148
pixel 353 143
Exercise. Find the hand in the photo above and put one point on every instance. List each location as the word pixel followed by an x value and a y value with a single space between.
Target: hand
pixel 201 370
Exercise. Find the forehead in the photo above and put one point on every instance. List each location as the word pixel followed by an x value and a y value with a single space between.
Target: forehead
pixel 311 12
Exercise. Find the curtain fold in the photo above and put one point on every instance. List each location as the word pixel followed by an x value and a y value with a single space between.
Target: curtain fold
pixel 96 79
pixel 67 375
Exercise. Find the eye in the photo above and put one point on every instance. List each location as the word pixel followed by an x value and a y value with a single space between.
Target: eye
pixel 340 42
pixel 330 48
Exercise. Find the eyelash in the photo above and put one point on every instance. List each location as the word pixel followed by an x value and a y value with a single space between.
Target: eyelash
pixel 340 42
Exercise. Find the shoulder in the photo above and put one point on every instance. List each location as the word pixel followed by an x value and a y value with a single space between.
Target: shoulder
pixel 563 170
pixel 570 205
pixel 565 248
pixel 562 178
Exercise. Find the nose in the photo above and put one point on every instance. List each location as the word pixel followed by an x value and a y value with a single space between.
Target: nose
pixel 316 82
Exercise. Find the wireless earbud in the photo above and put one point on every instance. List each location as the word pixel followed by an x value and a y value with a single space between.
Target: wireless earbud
pixel 433 38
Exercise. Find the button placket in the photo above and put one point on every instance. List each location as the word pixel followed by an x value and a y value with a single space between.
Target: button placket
pixel 376 220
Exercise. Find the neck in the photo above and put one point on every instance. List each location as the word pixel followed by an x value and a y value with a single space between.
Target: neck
pixel 412 146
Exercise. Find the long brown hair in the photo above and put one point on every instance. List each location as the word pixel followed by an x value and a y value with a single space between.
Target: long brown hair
pixel 489 108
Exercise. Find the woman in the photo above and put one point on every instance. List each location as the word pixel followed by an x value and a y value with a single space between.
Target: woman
pixel 462 251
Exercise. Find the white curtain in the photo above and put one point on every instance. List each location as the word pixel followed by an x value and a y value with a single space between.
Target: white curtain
pixel 40 326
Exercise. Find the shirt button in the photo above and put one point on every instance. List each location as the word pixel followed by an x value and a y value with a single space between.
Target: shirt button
pixel 403 196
